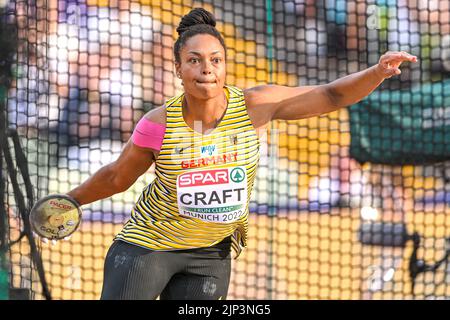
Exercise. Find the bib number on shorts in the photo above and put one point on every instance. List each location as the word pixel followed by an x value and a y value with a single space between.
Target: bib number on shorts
pixel 217 195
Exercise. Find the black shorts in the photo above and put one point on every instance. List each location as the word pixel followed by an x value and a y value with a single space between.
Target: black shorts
pixel 133 272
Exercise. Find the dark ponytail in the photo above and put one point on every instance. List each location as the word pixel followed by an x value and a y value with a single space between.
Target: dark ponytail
pixel 197 21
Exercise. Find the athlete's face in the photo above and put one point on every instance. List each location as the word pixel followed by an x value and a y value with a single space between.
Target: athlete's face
pixel 202 66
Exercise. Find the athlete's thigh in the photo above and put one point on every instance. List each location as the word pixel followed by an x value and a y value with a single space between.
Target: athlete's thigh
pixel 134 273
pixel 205 278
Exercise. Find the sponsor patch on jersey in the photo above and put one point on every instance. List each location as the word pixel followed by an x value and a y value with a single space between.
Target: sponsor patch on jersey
pixel 203 178
pixel 218 195
pixel 208 150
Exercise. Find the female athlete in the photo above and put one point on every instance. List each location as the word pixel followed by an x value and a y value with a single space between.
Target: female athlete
pixel 204 142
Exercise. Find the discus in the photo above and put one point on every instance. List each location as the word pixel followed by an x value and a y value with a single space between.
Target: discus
pixel 55 216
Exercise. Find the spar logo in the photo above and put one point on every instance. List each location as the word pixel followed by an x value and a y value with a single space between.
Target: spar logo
pixel 237 175
pixel 203 178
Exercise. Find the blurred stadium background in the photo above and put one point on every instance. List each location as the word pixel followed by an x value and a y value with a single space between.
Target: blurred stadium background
pixel 86 71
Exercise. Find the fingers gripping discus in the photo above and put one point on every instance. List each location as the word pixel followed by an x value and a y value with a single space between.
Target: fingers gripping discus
pixel 55 216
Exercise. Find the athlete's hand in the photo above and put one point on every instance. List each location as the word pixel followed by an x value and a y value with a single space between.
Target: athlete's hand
pixel 55 217
pixel 389 63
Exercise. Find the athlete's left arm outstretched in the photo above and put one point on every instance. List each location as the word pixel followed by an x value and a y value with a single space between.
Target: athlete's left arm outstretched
pixel 293 103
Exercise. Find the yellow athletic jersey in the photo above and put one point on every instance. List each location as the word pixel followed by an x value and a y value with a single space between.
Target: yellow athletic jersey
pixel 203 183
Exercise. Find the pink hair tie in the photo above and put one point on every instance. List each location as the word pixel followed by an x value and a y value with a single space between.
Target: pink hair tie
pixel 148 134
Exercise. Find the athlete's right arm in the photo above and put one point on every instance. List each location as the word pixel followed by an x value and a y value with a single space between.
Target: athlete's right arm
pixel 115 177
